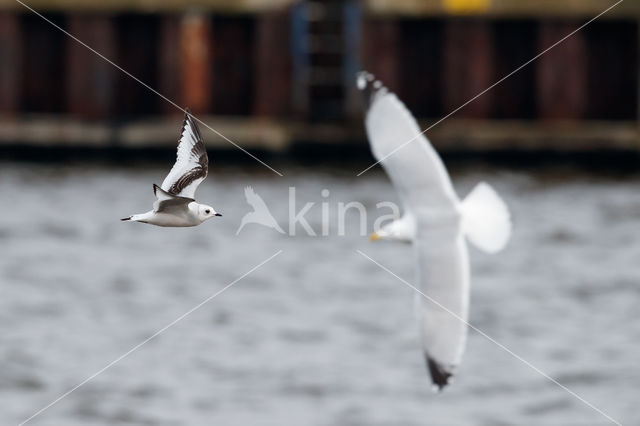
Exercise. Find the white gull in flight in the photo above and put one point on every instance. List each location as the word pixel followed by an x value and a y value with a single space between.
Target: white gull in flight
pixel 175 205
pixel 436 221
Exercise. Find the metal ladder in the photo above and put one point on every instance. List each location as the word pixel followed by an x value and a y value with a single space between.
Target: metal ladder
pixel 325 51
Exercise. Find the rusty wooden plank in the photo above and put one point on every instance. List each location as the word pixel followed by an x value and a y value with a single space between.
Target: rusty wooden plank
pixel 273 65
pixel 420 82
pixel 147 6
pixel 43 65
pixel 467 67
pixel 502 8
pixel 612 70
pixel 51 130
pixel 10 62
pixel 137 36
pixel 233 66
pixel 90 79
pixel 168 51
pixel 515 43
pixel 381 50
pixel 561 73
pixel 195 61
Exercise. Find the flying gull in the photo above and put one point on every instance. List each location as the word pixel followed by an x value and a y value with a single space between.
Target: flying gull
pixel 175 205
pixel 436 221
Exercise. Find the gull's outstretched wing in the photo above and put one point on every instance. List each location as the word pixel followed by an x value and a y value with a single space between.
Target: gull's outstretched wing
pixel 424 186
pixel 443 277
pixel 416 170
pixel 169 203
pixel 192 162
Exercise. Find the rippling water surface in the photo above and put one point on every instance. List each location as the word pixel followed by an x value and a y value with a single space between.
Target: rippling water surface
pixel 319 335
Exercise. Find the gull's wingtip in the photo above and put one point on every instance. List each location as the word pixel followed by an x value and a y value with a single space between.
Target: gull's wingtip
pixel 439 374
pixel 369 86
pixel 126 218
pixel 188 117
pixel 364 78
pixel 190 120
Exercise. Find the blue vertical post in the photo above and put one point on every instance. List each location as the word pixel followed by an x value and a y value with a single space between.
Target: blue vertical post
pixel 300 60
pixel 11 48
pixel 352 57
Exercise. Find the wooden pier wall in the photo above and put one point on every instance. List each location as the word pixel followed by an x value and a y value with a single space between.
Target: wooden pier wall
pixel 274 74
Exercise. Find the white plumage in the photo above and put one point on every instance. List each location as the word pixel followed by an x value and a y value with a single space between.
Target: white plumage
pixel 175 203
pixel 192 163
pixel 435 221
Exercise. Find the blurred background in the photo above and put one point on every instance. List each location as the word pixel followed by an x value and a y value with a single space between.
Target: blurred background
pixel 279 75
pixel 319 335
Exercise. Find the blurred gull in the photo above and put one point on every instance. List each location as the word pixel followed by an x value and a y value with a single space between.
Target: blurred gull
pixel 436 221
pixel 175 204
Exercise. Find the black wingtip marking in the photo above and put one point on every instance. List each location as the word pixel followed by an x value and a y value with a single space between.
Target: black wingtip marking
pixel 370 87
pixel 188 118
pixel 169 194
pixel 439 375
pixel 198 150
pixel 126 218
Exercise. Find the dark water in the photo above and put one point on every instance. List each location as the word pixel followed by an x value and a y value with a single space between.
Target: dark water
pixel 319 335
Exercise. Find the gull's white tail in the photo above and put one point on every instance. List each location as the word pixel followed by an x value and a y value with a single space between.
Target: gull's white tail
pixel 486 221
pixel 142 217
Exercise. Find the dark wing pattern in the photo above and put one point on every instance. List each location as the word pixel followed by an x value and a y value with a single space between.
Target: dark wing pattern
pixel 192 162
pixel 167 201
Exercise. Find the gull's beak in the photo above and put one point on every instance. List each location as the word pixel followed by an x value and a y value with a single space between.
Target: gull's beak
pixel 375 236
pixel 217 214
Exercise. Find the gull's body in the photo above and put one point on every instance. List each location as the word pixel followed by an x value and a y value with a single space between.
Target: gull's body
pixel 175 205
pixel 435 221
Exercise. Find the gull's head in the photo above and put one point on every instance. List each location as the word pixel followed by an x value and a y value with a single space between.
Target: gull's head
pixel 206 212
pixel 398 230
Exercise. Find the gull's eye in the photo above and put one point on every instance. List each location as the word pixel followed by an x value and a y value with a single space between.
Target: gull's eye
pixel 207 211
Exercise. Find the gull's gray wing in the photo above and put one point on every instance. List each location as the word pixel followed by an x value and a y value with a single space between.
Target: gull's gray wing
pixel 442 272
pixel 425 188
pixel 415 169
pixel 169 203
pixel 192 162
